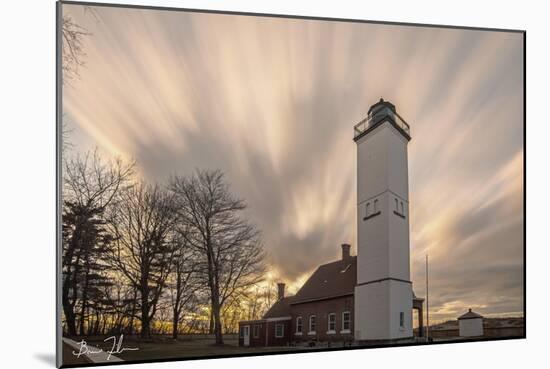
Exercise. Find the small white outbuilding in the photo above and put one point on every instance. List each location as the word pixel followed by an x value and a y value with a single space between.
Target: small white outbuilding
pixel 470 324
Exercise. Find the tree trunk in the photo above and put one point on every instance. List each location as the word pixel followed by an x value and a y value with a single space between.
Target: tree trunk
pixel 84 305
pixel 211 324
pixel 217 319
pixel 133 312
pixel 175 326
pixel 145 325
pixel 145 321
pixel 70 317
pixel 218 328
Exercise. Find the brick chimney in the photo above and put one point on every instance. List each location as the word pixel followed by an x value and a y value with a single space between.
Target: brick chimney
pixel 346 251
pixel 280 291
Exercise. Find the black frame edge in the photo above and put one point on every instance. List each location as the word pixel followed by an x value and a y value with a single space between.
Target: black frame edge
pixel 288 16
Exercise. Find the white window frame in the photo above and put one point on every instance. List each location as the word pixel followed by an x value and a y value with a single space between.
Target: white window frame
pixel 312 332
pixel 344 330
pixel 282 330
pixel 333 330
pixel 301 325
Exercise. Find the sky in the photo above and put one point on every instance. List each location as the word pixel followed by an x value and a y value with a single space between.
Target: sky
pixel 272 102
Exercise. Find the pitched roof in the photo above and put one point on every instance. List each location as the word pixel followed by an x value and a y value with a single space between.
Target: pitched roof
pixel 329 280
pixel 280 309
pixel 470 315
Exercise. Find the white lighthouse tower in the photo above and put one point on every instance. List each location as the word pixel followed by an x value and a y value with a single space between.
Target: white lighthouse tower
pixel 383 294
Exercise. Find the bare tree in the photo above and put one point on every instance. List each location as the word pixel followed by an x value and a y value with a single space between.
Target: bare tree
pixel 91 182
pixel 258 300
pixel 72 52
pixel 90 186
pixel 143 249
pixel 231 254
pixel 72 47
pixel 185 283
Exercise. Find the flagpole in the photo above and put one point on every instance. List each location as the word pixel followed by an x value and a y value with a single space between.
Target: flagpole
pixel 427 304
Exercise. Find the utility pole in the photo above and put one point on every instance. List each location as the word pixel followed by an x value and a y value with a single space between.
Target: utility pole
pixel 427 304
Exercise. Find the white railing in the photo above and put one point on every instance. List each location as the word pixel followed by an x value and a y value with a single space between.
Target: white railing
pixel 378 116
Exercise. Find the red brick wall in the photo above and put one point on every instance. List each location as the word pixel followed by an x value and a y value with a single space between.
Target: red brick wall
pixel 270 337
pixel 321 309
pixel 278 341
pixel 254 341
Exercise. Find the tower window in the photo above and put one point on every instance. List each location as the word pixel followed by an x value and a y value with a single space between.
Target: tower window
pixel 369 213
pixel 399 208
pixel 402 319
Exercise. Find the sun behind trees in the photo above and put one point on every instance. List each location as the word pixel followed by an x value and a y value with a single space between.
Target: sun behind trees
pixel 156 259
pixel 144 247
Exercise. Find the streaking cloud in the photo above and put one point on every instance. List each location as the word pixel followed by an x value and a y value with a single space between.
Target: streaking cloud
pixel 272 102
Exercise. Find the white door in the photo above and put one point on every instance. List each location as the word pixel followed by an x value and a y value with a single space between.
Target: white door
pixel 246 335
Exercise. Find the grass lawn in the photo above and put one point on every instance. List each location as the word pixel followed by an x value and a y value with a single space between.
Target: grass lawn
pixel 182 348
pixel 186 347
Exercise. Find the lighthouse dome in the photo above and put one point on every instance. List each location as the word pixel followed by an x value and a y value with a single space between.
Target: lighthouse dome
pixel 382 104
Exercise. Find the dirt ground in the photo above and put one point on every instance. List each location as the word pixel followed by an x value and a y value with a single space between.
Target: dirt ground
pixel 70 359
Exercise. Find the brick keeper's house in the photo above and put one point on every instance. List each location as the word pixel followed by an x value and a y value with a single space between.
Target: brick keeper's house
pixel 321 311
pixel 367 297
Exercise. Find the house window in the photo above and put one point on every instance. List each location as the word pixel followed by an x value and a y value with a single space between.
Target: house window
pixel 346 321
pixel 367 211
pixel 402 319
pixel 331 323
pixel 299 325
pixel 256 331
pixel 242 331
pixel 312 324
pixel 279 330
pixel 375 206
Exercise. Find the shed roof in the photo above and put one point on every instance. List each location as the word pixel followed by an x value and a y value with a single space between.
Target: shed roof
pixel 470 315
